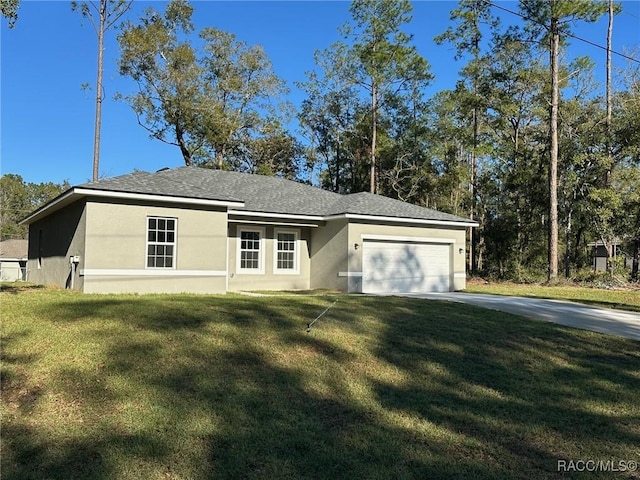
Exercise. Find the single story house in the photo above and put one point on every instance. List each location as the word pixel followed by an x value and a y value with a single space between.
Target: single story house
pixel 196 230
pixel 13 260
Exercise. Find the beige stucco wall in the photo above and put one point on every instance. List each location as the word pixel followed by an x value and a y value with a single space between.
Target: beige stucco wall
pixel 356 230
pixel 145 284
pixel 269 279
pixel 116 245
pixel 329 245
pixel 54 239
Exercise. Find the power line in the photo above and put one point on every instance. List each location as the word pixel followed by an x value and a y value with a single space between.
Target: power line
pixel 589 42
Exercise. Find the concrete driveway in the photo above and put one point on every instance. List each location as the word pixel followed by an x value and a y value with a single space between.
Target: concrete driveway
pixel 603 320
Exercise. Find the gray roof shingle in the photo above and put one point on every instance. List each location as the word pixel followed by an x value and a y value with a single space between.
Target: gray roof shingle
pixel 264 194
pixel 15 248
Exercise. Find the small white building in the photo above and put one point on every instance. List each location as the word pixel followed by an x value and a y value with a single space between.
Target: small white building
pixel 13 260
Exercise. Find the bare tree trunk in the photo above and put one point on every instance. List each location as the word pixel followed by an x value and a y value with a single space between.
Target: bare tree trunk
pixel 567 252
pixel 607 175
pixel 374 126
pixel 220 158
pixel 99 93
pixel 608 121
pixel 636 259
pixel 186 154
pixel 473 239
pixel 553 153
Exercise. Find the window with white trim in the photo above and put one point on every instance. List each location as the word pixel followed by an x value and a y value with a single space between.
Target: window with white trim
pixel 161 242
pixel 250 251
pixel 286 252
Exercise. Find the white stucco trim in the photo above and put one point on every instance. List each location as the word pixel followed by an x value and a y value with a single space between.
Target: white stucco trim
pixel 245 221
pixel 350 274
pixel 460 275
pixel 246 213
pixel 152 272
pixel 395 238
pixel 88 192
pixel 262 251
pixel 284 271
pixel 376 218
pixel 153 197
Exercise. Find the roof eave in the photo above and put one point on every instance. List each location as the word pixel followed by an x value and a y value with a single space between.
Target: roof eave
pixel 77 193
pixel 290 216
pixel 381 218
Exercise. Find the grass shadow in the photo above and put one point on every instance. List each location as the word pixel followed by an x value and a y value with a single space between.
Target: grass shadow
pixel 187 386
pixel 19 287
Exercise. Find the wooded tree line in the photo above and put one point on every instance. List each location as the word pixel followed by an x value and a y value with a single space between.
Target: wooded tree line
pixel 18 199
pixel 527 143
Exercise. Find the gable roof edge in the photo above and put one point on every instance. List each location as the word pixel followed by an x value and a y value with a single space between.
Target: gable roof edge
pixel 77 193
pixel 358 216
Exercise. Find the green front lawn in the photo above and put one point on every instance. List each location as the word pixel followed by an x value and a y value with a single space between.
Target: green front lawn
pixel 183 386
pixel 625 299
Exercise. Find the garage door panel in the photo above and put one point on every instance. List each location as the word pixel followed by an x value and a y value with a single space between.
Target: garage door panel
pixel 399 267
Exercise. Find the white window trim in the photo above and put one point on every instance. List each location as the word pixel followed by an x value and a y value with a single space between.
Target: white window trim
pixel 174 243
pixel 261 254
pixel 296 256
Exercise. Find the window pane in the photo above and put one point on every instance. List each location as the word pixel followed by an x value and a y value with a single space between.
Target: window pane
pixel 285 251
pixel 160 241
pixel 250 250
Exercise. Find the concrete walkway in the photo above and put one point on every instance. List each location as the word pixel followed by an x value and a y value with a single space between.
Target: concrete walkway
pixel 603 320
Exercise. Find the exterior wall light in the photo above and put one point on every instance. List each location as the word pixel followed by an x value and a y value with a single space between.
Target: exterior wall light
pixel 356 246
pixel 461 251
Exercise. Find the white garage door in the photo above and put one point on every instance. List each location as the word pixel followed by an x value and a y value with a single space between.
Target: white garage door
pixel 405 267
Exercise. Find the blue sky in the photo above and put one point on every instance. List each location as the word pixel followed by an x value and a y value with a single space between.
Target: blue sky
pixel 46 129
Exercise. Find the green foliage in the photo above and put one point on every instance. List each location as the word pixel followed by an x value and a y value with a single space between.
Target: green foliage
pixel 18 199
pixel 355 94
pixel 467 36
pixel 110 10
pixel 276 153
pixel 540 14
pixel 209 101
pixel 9 10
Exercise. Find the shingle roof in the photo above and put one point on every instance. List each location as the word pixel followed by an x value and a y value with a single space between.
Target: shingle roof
pixel 160 184
pixel 264 194
pixel 14 248
pixel 366 203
